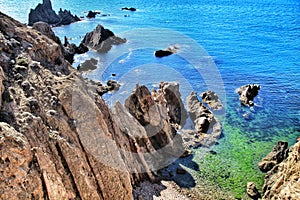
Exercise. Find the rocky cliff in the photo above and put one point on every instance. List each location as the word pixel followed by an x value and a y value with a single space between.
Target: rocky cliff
pixel 283 172
pixel 59 139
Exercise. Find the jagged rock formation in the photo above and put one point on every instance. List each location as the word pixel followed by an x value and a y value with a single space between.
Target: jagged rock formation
pixel 276 156
pixel 208 128
pixel 68 50
pixel 247 94
pixel 44 13
pixel 212 100
pixel 282 181
pixel 101 39
pixel 252 191
pixel 169 92
pixel 59 140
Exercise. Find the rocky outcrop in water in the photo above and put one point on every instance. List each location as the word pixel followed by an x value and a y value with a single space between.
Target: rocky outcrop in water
pixel 101 39
pixel 208 128
pixel 212 100
pixel 247 94
pixel 282 180
pixel 44 13
pixel 59 139
pixel 168 51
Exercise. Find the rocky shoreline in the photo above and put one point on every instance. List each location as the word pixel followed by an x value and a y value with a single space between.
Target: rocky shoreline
pixel 53 124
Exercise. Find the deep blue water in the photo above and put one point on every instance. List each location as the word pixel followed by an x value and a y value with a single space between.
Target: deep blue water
pixel 223 45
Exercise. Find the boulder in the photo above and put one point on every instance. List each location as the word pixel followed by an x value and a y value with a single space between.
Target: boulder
pixel 252 191
pixel 247 94
pixel 212 100
pixel 101 39
pixel 168 51
pixel 45 13
pixel 276 156
pixel 204 120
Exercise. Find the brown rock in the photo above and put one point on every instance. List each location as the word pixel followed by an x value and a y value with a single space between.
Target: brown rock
pixel 212 100
pixel 277 155
pixel 252 191
pixel 282 181
pixel 204 120
pixel 247 94
pixel 101 39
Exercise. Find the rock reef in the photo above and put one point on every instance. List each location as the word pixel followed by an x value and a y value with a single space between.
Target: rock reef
pixel 45 13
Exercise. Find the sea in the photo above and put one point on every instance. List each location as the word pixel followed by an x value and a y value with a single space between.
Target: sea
pixel 222 45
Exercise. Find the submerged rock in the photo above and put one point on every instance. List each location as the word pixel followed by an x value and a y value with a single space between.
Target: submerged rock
pixel 101 39
pixel 247 94
pixel 44 13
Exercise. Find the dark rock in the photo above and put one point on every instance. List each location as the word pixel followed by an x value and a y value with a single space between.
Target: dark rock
pixel 7 117
pixel 101 39
pixel 212 100
pixel 130 9
pixel 247 94
pixel 45 29
pixel 212 152
pixel 92 14
pixel 180 170
pixel 66 17
pixel 276 156
pixel 252 191
pixel 44 12
pixel 90 64
pixel 162 53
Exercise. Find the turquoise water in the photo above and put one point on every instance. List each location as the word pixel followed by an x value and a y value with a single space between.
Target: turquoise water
pixel 223 45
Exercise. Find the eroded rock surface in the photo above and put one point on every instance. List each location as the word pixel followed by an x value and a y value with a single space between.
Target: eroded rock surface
pixel 212 100
pixel 45 13
pixel 282 181
pixel 101 39
pixel 276 156
pixel 58 139
pixel 247 94
pixel 208 128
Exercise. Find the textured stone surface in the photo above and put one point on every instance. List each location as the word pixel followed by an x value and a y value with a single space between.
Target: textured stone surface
pixel 282 181
pixel 276 156
pixel 101 39
pixel 208 128
pixel 247 94
pixel 44 13
pixel 212 100
pixel 252 191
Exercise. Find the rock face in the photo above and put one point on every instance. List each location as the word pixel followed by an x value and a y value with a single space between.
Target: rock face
pixel 212 100
pixel 44 13
pixel 247 94
pixel 208 127
pixel 59 139
pixel 101 39
pixel 252 191
pixel 168 93
pixel 68 50
pixel 276 156
pixel 282 181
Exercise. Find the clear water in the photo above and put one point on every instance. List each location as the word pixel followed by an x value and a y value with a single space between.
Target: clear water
pixel 223 45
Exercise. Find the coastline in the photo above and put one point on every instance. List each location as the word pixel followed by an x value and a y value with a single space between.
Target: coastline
pixel 244 143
